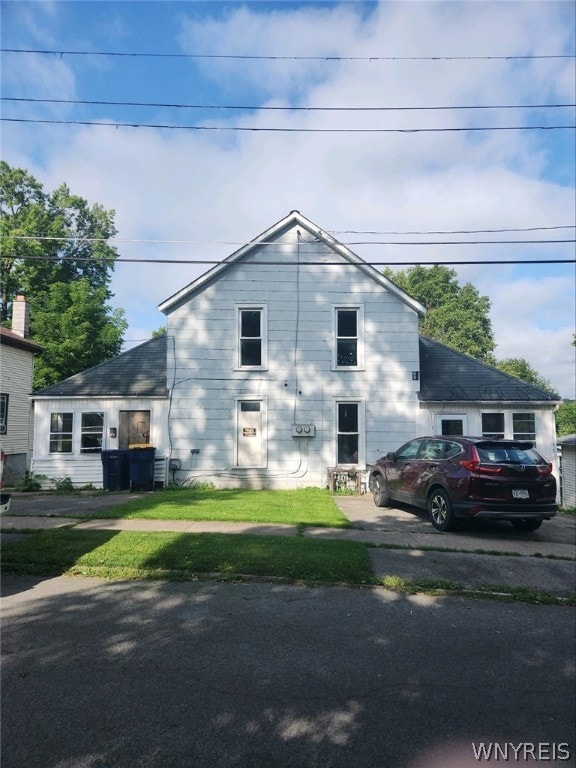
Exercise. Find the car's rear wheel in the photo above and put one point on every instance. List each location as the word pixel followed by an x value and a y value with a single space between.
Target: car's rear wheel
pixel 440 510
pixel 526 524
pixel 379 491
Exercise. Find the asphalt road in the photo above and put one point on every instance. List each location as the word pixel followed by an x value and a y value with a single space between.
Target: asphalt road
pixel 215 675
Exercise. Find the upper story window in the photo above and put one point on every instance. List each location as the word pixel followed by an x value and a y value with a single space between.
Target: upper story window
pixel 524 426
pixel 92 431
pixel 252 346
pixel 3 413
pixel 61 432
pixel 348 326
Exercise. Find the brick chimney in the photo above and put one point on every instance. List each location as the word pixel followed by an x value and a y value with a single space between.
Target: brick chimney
pixel 20 316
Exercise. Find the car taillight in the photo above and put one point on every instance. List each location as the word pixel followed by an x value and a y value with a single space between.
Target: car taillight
pixel 545 469
pixel 474 464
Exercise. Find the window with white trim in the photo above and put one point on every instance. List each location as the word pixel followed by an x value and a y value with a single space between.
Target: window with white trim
pixel 348 341
pixel 452 424
pixel 91 432
pixel 493 425
pixel 524 426
pixel 348 433
pixel 61 426
pixel 252 334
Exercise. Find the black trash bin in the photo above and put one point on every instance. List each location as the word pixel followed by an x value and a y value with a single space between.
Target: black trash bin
pixel 115 470
pixel 141 461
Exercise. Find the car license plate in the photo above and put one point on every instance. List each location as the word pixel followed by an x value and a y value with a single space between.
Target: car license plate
pixel 520 493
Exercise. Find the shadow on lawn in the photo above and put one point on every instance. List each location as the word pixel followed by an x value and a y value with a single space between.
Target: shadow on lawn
pixel 170 675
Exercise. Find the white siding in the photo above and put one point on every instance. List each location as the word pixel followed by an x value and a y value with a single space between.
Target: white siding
pixel 86 468
pixel 298 384
pixel 569 476
pixel 16 371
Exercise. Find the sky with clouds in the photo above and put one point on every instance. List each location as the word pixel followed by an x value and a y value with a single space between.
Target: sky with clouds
pixel 212 188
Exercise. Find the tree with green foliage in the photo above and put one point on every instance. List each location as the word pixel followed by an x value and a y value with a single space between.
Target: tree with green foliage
pixel 54 249
pixel 457 316
pixel 521 369
pixel 566 418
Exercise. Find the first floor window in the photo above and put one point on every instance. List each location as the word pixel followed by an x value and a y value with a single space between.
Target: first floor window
pixel 3 413
pixel 451 425
pixel 92 431
pixel 61 432
pixel 348 433
pixel 524 426
pixel 493 425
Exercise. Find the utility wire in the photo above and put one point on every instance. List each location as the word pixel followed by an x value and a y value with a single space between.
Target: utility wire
pixel 282 58
pixel 274 242
pixel 286 130
pixel 280 263
pixel 450 231
pixel 279 108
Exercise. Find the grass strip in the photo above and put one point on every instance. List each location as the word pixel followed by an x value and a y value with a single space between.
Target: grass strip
pixel 306 506
pixel 442 587
pixel 183 555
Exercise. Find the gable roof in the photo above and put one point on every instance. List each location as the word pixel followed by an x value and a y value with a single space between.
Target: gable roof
pixel 450 376
pixel 141 371
pixel 445 376
pixel 294 218
pixel 12 339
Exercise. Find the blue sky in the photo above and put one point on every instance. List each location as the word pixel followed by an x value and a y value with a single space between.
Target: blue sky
pixel 216 189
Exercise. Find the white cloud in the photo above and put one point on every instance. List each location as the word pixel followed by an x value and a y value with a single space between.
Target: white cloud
pixel 206 186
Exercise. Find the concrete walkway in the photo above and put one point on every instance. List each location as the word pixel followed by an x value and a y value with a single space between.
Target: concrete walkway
pixel 403 542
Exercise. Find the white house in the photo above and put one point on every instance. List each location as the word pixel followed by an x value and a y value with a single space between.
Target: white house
pixel 290 358
pixel 17 354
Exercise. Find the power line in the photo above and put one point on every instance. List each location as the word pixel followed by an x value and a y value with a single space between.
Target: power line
pixel 274 242
pixel 255 129
pixel 450 231
pixel 280 262
pixel 251 57
pixel 94 102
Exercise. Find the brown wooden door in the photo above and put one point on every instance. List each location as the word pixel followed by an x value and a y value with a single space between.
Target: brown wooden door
pixel 134 428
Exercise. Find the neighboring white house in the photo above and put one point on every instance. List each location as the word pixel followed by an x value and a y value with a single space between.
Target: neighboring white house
pixel 568 471
pixel 17 354
pixel 290 358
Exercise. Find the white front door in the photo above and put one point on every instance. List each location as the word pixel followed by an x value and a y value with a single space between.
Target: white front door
pixel 249 437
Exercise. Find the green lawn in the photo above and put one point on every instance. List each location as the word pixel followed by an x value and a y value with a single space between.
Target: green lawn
pixel 182 556
pixel 306 506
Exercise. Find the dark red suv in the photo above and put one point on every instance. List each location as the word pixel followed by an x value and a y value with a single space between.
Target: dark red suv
pixel 468 477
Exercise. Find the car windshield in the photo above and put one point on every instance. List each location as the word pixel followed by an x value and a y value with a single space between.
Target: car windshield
pixel 508 454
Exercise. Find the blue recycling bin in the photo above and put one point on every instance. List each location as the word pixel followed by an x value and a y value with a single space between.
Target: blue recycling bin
pixel 115 475
pixel 141 462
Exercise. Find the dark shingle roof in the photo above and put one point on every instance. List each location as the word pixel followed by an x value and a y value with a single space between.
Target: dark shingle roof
pixel 450 376
pixel 141 371
pixel 14 340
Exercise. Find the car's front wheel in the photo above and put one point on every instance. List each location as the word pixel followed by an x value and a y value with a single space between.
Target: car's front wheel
pixel 440 510
pixel 379 491
pixel 526 524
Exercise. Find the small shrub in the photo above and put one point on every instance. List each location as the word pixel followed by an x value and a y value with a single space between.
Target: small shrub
pixel 62 484
pixel 31 482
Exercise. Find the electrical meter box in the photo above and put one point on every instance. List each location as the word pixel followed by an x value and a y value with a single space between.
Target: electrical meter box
pixel 303 430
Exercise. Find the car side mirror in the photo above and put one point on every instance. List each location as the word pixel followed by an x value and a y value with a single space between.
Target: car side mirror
pixel 391 456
